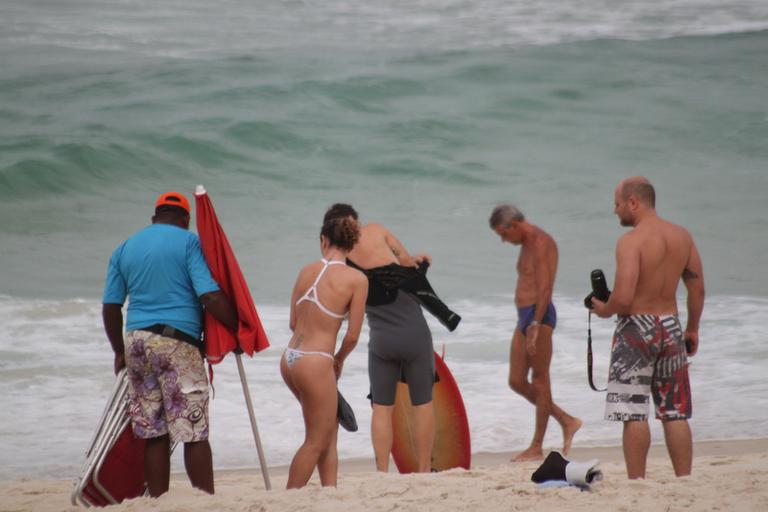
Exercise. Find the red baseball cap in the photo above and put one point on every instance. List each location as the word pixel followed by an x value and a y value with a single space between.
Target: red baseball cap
pixel 173 199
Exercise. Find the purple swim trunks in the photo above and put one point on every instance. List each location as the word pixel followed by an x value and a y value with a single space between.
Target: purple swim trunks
pixel 525 317
pixel 169 388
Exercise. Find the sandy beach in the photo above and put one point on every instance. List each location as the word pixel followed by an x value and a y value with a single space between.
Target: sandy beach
pixel 728 475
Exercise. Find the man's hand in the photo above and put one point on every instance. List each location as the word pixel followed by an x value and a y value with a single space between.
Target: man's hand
pixel 531 335
pixel 119 362
pixel 600 308
pixel 218 305
pixel 693 338
pixel 422 256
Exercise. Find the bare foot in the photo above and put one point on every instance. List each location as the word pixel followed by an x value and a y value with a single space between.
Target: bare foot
pixel 532 453
pixel 569 430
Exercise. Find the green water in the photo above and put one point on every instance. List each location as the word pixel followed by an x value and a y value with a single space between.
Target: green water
pixel 427 142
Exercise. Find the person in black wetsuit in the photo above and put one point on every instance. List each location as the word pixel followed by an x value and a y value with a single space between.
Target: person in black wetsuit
pixel 400 340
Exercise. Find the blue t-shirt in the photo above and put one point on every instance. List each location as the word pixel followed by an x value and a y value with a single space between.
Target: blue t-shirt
pixel 163 270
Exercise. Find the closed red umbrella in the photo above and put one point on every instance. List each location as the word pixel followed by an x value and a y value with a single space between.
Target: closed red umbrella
pixel 250 334
pixel 219 341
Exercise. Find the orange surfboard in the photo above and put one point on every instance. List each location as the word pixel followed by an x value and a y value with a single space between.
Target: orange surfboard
pixel 452 444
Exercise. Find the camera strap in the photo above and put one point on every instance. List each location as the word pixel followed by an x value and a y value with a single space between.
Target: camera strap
pixel 589 354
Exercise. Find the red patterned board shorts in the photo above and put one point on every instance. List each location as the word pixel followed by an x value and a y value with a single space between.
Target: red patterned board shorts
pixel 168 390
pixel 648 358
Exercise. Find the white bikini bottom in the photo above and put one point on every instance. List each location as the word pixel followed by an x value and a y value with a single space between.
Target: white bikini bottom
pixel 292 355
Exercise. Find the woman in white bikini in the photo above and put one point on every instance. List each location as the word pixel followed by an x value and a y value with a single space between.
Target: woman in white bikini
pixel 325 292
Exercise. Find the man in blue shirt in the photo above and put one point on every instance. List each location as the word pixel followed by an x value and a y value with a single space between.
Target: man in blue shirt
pixel 163 271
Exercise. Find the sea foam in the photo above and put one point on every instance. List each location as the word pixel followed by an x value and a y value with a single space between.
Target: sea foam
pixel 56 370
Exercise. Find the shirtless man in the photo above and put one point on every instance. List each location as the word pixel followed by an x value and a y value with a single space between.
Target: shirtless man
pixel 649 347
pixel 531 348
pixel 400 341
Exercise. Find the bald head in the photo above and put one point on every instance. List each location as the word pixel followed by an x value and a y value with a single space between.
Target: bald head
pixel 640 188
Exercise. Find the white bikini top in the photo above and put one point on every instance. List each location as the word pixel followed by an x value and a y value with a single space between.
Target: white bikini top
pixel 311 294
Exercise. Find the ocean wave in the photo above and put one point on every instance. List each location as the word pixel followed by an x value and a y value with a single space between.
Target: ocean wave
pixel 412 138
pixel 203 28
pixel 267 136
pixel 448 114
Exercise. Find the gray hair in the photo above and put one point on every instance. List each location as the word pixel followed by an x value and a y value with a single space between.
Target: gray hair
pixel 504 215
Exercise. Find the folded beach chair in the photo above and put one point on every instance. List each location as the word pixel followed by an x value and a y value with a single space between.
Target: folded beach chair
pixel 113 470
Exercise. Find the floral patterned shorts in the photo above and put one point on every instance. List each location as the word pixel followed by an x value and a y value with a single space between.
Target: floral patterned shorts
pixel 169 388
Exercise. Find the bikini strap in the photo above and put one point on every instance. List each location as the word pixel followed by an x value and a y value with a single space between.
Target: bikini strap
pixel 312 295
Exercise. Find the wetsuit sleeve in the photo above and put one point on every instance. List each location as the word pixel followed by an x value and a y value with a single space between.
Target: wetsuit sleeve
pixel 115 287
pixel 199 273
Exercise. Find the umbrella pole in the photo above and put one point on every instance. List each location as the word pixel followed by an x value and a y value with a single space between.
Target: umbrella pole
pixel 249 404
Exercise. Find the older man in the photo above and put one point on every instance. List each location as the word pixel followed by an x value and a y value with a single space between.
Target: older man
pixel 531 349
pixel 649 347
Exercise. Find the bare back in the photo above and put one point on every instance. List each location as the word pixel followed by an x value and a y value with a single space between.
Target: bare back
pixel 658 251
pixel 536 267
pixel 313 328
pixel 377 247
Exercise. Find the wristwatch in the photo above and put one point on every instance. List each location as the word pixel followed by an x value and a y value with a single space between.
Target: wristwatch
pixel 534 322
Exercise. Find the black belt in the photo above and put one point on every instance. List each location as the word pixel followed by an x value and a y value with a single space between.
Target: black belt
pixel 171 332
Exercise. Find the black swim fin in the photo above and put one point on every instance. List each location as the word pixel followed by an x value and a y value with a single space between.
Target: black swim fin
pixel 345 414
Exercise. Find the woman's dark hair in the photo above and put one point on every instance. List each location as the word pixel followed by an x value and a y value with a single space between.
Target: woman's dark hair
pixel 341 232
pixel 339 210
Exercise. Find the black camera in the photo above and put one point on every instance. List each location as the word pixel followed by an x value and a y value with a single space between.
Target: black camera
pixel 600 289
